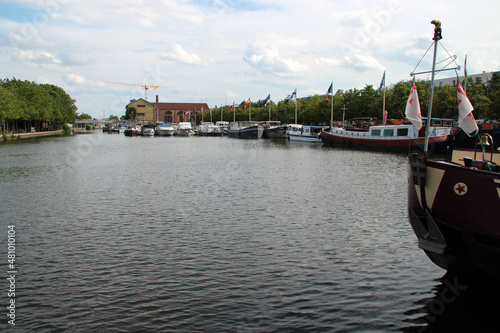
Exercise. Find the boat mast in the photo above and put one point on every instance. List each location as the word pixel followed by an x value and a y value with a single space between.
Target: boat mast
pixel 437 37
pixel 295 105
pixel 331 118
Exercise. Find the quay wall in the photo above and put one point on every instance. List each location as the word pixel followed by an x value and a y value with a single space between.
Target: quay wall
pixel 21 136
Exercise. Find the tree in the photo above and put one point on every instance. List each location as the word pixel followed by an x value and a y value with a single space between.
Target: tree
pixel 130 113
pixel 84 116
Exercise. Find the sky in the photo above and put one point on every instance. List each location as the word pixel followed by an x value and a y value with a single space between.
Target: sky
pixel 220 51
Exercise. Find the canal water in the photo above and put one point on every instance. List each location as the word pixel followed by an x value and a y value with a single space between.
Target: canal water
pixel 204 234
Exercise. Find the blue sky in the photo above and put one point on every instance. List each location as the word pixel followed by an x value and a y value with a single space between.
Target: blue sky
pixel 220 51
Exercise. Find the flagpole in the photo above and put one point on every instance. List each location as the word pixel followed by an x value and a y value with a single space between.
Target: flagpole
pixel 250 111
pixel 295 105
pixel 331 117
pixel 436 38
pixel 383 105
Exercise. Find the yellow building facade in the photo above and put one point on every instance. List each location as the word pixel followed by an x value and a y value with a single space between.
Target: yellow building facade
pixel 145 111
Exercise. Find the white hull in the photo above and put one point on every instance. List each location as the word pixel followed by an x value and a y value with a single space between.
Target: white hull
pixel 305 138
pixel 165 131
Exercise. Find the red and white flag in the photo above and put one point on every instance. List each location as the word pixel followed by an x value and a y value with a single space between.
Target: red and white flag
pixel 413 108
pixel 465 117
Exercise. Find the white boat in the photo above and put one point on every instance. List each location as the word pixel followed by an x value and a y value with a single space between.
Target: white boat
pixel 223 125
pixel 165 130
pixel 209 129
pixel 301 133
pixel 245 130
pixel 147 130
pixel 184 129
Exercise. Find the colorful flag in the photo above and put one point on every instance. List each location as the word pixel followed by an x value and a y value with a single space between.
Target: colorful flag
pixel 187 112
pixel 246 104
pixel 413 108
pixel 329 91
pixel 465 117
pixel 382 84
pixel 233 106
pixel 267 99
pixel 293 95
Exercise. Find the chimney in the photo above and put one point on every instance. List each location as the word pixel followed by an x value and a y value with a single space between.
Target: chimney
pixel 156 99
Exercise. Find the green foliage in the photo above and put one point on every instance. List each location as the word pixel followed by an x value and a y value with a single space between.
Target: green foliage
pixel 84 116
pixel 130 113
pixel 28 101
pixel 66 130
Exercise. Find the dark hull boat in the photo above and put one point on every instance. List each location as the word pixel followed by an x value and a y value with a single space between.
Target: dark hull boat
pixel 245 130
pixel 454 209
pixel 274 130
pixel 454 206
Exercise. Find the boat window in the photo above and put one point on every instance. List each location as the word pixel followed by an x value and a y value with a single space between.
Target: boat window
pixel 402 132
pixel 376 132
pixel 447 122
pixel 389 132
pixel 436 122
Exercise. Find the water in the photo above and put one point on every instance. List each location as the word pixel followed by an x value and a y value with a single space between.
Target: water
pixel 218 235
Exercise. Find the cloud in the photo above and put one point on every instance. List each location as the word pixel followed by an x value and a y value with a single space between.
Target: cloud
pixel 362 63
pixel 35 57
pixel 268 60
pixel 74 79
pixel 177 53
pixel 328 61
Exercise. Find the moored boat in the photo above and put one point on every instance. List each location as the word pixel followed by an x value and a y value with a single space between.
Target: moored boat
pixel 404 137
pixel 184 129
pixel 148 130
pixel 274 130
pixel 209 129
pixel 222 124
pixel 305 133
pixel 131 131
pixel 454 206
pixel 165 130
pixel 245 130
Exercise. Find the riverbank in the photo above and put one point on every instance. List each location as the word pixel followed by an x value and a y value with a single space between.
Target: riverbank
pixel 21 136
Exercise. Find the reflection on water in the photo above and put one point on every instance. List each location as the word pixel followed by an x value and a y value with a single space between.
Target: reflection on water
pixel 218 235
pixel 458 304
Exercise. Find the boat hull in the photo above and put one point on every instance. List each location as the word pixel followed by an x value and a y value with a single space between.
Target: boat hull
pixel 454 225
pixel 305 138
pixel 249 132
pixel 278 132
pixel 437 144
pixel 165 132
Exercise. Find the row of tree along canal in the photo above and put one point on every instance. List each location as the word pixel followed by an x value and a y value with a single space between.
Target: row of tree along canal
pixel 26 105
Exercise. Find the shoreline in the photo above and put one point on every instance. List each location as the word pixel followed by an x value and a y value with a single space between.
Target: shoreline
pixel 21 136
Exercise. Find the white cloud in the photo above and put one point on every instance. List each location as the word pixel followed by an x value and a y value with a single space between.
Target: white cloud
pixel 177 53
pixel 268 60
pixel 74 79
pixel 36 57
pixel 362 63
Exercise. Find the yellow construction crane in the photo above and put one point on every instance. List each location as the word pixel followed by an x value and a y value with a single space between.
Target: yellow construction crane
pixel 145 86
